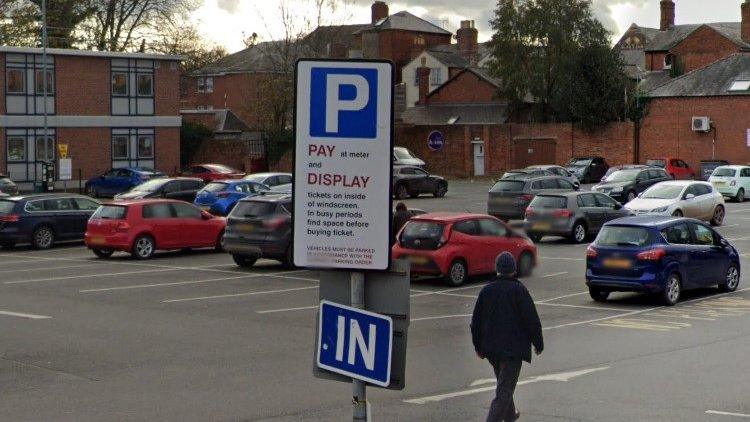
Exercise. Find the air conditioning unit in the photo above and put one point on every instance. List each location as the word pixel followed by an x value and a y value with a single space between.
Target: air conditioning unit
pixel 701 124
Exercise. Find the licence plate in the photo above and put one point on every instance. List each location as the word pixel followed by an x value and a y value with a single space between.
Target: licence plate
pixel 418 260
pixel 719 183
pixel 541 226
pixel 502 201
pixel 618 263
pixel 98 240
pixel 205 207
pixel 246 227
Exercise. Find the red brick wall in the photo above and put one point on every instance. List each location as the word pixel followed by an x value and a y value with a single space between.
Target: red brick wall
pixel 168 149
pixel 703 47
pixel 655 60
pixel 166 89
pixel 398 46
pixel 232 153
pixel 2 83
pixel 89 149
pixel 466 88
pixel 83 85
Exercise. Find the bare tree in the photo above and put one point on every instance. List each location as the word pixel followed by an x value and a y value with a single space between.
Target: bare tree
pixel 181 37
pixel 18 23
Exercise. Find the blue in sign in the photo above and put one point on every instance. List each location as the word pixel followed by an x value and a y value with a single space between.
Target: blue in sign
pixel 435 140
pixel 355 343
pixel 343 103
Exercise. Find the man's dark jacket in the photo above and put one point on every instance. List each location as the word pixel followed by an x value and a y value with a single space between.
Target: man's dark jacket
pixel 399 220
pixel 505 323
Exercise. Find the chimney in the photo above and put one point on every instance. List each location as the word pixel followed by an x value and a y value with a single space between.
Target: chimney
pixel 467 36
pixel 667 15
pixel 745 21
pixel 423 73
pixel 379 11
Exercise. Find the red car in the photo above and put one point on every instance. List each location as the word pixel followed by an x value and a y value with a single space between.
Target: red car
pixel 675 167
pixel 141 227
pixel 211 172
pixel 457 246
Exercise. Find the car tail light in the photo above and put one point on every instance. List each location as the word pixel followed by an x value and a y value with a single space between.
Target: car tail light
pixel 562 213
pixel 10 218
pixel 526 198
pixel 591 252
pixel 223 194
pixel 274 223
pixel 530 212
pixel 652 255
pixel 122 227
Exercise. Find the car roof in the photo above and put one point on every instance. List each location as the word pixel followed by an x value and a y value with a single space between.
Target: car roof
pixel 735 167
pixel 143 201
pixel 653 221
pixel 31 196
pixel 448 217
pixel 568 193
pixel 402 166
pixel 269 174
pixel 683 183
pixel 270 197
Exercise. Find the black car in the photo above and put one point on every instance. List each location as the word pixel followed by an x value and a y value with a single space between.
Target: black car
pixel 626 185
pixel 7 186
pixel 180 188
pixel 588 169
pixel 260 227
pixel 43 219
pixel 508 198
pixel 410 181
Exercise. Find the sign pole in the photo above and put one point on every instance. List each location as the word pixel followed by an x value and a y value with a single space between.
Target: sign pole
pixel 359 393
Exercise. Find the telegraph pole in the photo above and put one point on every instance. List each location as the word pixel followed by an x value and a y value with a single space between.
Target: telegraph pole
pixel 44 78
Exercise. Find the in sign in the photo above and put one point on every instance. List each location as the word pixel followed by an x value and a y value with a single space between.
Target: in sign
pixel 435 140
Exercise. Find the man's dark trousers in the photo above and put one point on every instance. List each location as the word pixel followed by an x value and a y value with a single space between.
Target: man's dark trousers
pixel 502 408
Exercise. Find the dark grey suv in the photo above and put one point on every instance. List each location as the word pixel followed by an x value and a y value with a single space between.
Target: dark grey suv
pixel 509 198
pixel 260 227
pixel 626 185
pixel 575 215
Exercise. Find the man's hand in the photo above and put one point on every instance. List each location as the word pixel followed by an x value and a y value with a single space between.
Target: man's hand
pixel 537 351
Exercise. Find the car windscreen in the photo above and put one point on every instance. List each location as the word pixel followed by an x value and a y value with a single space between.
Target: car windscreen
pixel 623 176
pixel 543 201
pixel 253 209
pixel 724 172
pixel 656 163
pixel 422 234
pixel 579 162
pixel 402 153
pixel 627 236
pixel 214 187
pixel 6 207
pixel 110 212
pixel 151 185
pixel 508 186
pixel 663 192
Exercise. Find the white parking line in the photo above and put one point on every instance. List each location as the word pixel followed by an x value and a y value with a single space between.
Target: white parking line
pixel 727 226
pixel 562 297
pixel 272 311
pixel 554 274
pixel 264 292
pixel 22 315
pixel 72 277
pixel 560 258
pixel 716 412
pixel 47 268
pixel 564 305
pixel 440 317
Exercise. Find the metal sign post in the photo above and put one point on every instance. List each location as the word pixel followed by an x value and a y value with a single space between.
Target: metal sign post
pixel 359 391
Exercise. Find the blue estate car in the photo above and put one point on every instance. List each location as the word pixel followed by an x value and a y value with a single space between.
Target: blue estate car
pixel 44 219
pixel 221 196
pixel 119 180
pixel 659 254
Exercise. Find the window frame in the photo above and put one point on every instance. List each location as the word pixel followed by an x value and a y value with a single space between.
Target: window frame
pixel 22 71
pixel 8 140
pixel 127 147
pixel 39 90
pixel 138 147
pixel 138 76
pixel 127 84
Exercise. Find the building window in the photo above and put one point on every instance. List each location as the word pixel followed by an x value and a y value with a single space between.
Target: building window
pixel 120 84
pixel 120 147
pixel 45 148
pixel 39 82
pixel 133 147
pixel 436 76
pixel 16 149
pixel 145 85
pixel 16 81
pixel 209 84
pixel 26 150
pixel 146 146
pixel 206 84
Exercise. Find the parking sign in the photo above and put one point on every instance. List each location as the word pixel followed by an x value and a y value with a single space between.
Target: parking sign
pixel 342 170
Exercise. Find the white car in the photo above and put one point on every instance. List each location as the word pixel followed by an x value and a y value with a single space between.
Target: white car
pixel 687 198
pixel 732 181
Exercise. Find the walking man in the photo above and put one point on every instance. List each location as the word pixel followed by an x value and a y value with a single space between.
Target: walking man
pixel 504 326
pixel 400 217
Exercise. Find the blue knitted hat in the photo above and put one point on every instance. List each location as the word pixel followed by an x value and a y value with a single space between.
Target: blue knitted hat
pixel 505 265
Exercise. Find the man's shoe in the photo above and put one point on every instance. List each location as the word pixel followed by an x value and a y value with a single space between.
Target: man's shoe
pixel 517 415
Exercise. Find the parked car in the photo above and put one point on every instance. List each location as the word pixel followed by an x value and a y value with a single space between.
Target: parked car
pixel 524 173
pixel 698 200
pixel 557 171
pixel 588 169
pixel 625 185
pixel 623 167
pixel 211 172
pixel 180 188
pixel 574 215
pixel 458 246
pixel 661 255
pixel 44 219
pixel 732 181
pixel 675 167
pixel 270 179
pixel 286 188
pixel 141 227
pixel 404 157
pixel 7 186
pixel 409 181
pixel 508 199
pixel 219 197
pixel 119 180
pixel 708 167
pixel 260 227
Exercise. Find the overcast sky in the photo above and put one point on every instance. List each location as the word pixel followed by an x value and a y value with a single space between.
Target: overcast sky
pixel 224 21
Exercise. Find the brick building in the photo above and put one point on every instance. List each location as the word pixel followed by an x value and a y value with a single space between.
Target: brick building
pixel 110 109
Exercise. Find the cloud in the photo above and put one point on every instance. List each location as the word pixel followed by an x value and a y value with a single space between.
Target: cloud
pixel 231 6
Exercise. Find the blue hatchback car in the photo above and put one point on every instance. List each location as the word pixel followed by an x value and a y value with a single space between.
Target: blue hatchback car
pixel 221 196
pixel 659 254
pixel 119 180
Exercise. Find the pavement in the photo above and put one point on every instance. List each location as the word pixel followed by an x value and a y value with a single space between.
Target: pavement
pixel 190 336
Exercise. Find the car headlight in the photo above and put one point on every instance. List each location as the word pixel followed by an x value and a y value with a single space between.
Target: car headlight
pixel 662 209
pixel 617 189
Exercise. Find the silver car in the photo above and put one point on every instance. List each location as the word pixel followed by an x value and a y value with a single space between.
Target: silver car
pixel 699 200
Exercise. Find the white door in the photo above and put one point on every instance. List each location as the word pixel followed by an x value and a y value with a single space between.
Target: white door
pixel 479 159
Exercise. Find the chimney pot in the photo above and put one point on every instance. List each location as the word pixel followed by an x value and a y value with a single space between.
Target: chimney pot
pixel 423 73
pixel 379 11
pixel 745 31
pixel 467 38
pixel 667 15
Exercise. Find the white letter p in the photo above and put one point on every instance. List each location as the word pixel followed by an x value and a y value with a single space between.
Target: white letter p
pixel 334 104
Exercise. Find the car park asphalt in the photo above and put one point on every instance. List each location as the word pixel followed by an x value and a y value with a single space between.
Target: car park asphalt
pixel 190 336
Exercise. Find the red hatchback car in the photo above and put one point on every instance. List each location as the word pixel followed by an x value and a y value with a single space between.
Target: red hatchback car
pixel 457 246
pixel 675 167
pixel 141 227
pixel 211 172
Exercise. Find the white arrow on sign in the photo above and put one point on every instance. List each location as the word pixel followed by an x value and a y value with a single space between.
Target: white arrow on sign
pixel 560 377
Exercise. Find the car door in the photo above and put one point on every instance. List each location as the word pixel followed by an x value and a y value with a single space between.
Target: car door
pixel 594 215
pixel 744 179
pixel 597 169
pixel 495 240
pixel 64 215
pixel 422 181
pixel 691 207
pixel 609 208
pixel 688 256
pixel 84 209
pixel 123 181
pixel 465 236
pixel 710 258
pixel 706 201
pixel 108 184
pixel 159 219
pixel 194 231
pixel 642 182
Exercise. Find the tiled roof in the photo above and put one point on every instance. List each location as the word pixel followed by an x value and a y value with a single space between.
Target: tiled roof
pixel 712 80
pixel 665 40
pixel 262 57
pixel 449 56
pixel 443 114
pixel 405 21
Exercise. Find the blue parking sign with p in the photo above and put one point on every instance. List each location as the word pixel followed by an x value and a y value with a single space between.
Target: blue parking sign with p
pixel 343 103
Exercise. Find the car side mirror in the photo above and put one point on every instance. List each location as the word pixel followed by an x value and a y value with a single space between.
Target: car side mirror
pixel 639 180
pixel 205 215
pixel 724 243
pixel 689 196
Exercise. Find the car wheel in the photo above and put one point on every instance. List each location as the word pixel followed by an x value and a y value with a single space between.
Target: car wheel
pixel 220 242
pixel 740 197
pixel 91 191
pixel 244 261
pixel 103 253
pixel 525 265
pixel 143 247
pixel 458 273
pixel 579 233
pixel 672 290
pixel 731 279
pixel 43 238
pixel 535 237
pixel 632 195
pixel 598 295
pixel 401 191
pixel 677 213
pixel 441 190
pixel 718 217
pixel 289 257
